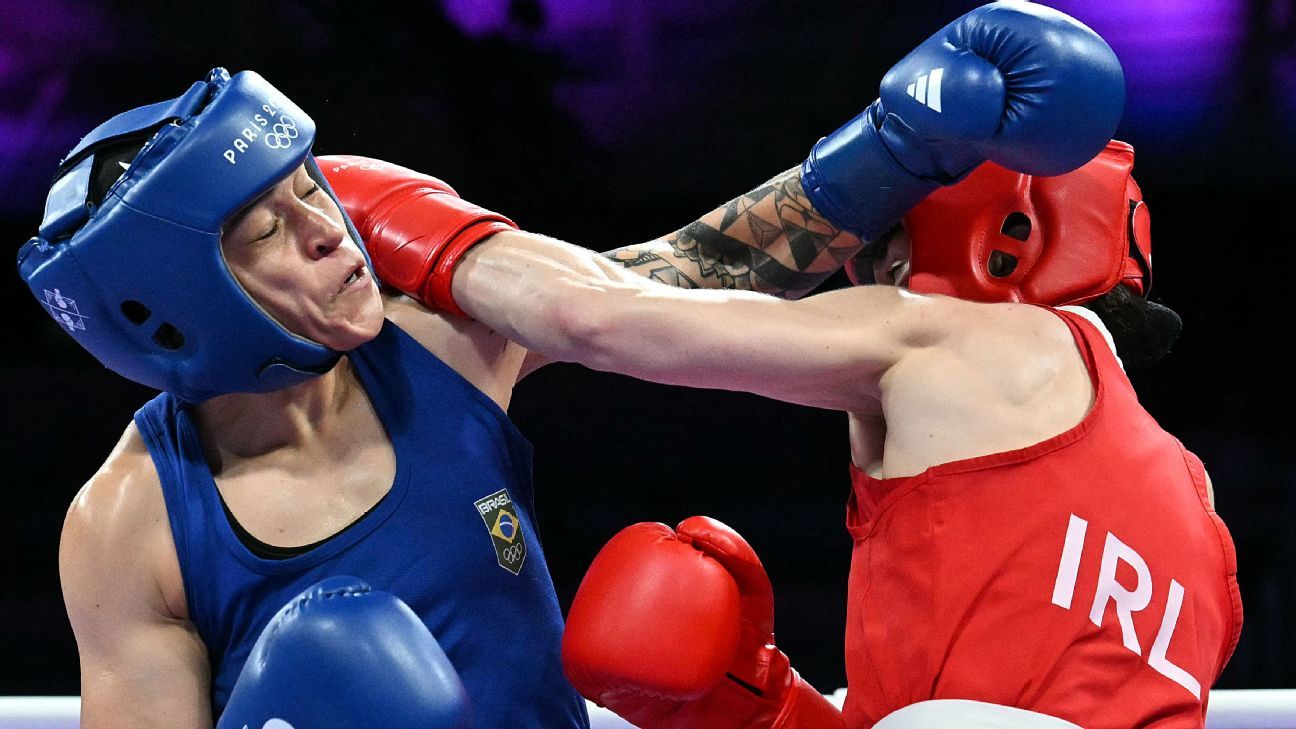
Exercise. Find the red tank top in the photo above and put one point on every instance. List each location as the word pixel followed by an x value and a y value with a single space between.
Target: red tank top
pixel 1085 577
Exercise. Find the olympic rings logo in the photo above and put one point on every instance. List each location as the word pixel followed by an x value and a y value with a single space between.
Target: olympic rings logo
pixel 282 134
pixel 514 553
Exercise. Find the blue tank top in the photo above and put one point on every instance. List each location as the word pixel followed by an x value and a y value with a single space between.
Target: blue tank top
pixel 454 538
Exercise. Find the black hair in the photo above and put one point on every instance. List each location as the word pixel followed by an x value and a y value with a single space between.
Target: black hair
pixel 1143 330
pixel 111 162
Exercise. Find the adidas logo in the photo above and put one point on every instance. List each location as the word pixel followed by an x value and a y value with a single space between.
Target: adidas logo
pixel 927 89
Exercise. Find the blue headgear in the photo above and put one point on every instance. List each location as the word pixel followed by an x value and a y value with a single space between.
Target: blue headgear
pixel 136 275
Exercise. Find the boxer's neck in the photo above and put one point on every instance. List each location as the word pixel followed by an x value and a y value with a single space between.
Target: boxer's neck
pixel 245 425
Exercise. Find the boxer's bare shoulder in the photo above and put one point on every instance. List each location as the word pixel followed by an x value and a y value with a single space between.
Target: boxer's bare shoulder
pixel 1030 345
pixel 482 356
pixel 1009 353
pixel 140 655
pixel 1000 377
pixel 118 524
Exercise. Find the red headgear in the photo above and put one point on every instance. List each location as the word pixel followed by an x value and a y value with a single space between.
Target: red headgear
pixel 1002 236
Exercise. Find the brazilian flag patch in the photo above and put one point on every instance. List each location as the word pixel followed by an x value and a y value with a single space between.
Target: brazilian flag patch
pixel 505 529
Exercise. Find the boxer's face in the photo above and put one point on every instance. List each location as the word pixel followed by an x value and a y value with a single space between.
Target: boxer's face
pixel 891 267
pixel 290 251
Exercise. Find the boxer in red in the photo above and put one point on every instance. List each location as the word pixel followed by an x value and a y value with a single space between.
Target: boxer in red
pixel 1029 544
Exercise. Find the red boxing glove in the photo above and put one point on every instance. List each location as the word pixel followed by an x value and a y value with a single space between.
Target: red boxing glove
pixel 674 630
pixel 415 227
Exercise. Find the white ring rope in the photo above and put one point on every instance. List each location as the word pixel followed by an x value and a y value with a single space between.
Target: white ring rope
pixel 1237 709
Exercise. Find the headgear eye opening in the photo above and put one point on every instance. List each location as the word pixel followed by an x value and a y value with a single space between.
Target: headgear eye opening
pixel 168 337
pixel 1000 264
pixel 135 312
pixel 1017 226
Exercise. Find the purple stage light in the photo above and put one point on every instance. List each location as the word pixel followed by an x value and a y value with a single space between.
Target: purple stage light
pixel 563 18
pixel 41 44
pixel 478 17
pixel 484 17
pixel 1181 57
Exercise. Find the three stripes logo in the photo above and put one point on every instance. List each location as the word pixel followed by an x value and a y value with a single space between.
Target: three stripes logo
pixel 927 89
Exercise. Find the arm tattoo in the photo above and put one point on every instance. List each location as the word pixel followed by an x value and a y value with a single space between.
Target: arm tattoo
pixel 654 267
pixel 770 240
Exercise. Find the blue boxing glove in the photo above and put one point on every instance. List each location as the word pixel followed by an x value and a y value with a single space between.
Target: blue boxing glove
pixel 344 656
pixel 1021 84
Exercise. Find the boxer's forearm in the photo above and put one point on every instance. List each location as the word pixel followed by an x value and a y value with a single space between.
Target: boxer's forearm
pixel 770 240
pixel 572 305
pixel 529 288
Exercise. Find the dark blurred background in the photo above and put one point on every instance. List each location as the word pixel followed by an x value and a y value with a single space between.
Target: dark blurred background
pixel 608 122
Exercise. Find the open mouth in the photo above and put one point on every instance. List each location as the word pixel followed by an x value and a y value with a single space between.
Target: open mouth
pixel 356 276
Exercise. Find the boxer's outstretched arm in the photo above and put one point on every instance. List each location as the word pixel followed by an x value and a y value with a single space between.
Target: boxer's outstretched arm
pixel 770 240
pixel 828 351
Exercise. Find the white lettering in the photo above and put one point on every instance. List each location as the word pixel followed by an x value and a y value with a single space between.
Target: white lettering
pixel 1157 658
pixel 491 504
pixel 1069 567
pixel 252 132
pixel 1127 602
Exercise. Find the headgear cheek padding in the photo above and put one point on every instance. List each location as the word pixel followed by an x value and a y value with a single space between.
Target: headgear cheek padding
pixel 1001 236
pixel 138 277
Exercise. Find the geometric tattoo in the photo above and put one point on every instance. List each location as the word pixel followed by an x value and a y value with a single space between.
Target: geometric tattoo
pixel 770 240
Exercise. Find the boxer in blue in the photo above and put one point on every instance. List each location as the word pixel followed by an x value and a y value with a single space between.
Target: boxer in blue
pixel 193 246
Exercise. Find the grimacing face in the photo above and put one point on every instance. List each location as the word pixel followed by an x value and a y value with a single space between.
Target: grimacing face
pixel 291 253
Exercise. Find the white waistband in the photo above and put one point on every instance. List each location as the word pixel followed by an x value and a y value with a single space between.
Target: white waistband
pixel 962 714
